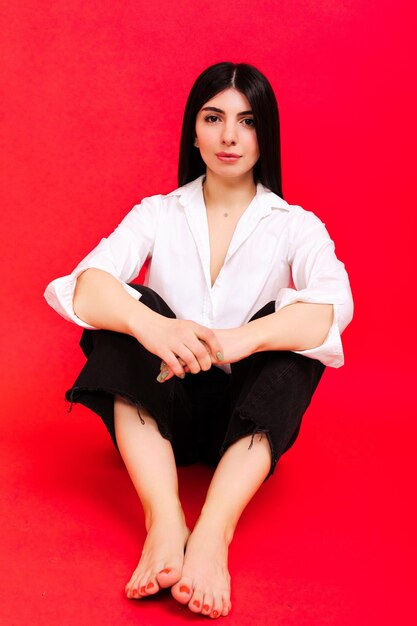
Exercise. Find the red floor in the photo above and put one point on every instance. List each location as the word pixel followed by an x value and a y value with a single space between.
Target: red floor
pixel 330 539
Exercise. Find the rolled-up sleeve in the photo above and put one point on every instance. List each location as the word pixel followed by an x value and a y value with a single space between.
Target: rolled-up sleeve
pixel 318 277
pixel 121 254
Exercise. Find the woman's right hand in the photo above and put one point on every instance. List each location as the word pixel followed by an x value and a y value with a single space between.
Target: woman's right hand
pixel 182 344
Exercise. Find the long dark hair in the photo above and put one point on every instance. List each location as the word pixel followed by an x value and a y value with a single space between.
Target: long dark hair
pixel 256 87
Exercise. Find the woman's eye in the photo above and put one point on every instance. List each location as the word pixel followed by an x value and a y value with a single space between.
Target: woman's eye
pixel 211 118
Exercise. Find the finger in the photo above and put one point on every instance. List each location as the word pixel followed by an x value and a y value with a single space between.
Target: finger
pixel 189 358
pixel 172 363
pixel 213 360
pixel 199 349
pixel 168 373
pixel 185 367
pixel 164 366
pixel 209 337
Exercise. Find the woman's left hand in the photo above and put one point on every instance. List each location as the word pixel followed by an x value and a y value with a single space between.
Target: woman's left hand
pixel 237 343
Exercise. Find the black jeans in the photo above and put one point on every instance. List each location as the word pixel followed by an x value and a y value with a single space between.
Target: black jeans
pixel 203 414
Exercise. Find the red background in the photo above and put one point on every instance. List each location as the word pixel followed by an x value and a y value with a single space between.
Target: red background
pixel 93 96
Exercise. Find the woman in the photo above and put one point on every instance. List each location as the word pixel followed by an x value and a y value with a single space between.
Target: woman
pixel 217 357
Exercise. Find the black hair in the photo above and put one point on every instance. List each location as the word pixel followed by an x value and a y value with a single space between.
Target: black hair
pixel 257 89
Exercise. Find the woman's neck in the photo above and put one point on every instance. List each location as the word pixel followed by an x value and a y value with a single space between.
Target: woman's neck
pixel 228 193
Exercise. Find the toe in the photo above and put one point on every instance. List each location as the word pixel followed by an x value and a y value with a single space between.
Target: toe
pixel 207 604
pixel 182 591
pixel 151 586
pixel 143 592
pixel 226 606
pixel 168 577
pixel 196 602
pixel 217 608
pixel 132 587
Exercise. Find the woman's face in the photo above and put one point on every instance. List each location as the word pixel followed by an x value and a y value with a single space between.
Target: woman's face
pixel 225 125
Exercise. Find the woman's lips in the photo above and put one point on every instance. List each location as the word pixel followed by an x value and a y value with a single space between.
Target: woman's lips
pixel 228 157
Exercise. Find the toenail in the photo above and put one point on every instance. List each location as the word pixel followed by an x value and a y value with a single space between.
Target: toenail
pixel 215 614
pixel 166 570
pixel 196 603
pixel 143 589
pixel 205 607
pixel 184 589
pixel 149 585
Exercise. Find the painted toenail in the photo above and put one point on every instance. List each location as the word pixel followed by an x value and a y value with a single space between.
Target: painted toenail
pixel 196 603
pixel 166 570
pixel 149 585
pixel 215 614
pixel 143 589
pixel 205 607
pixel 184 589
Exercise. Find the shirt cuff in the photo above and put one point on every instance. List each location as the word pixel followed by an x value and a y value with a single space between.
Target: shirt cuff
pixel 330 352
pixel 59 294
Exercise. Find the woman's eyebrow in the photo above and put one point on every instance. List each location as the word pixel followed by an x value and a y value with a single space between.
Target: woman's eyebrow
pixel 220 110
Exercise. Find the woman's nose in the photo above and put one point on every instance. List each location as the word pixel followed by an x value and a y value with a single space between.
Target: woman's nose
pixel 229 134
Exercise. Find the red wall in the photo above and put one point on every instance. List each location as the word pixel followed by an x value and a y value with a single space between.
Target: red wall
pixel 94 96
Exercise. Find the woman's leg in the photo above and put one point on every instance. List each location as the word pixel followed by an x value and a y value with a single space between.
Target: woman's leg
pixel 150 462
pixel 269 394
pixel 205 580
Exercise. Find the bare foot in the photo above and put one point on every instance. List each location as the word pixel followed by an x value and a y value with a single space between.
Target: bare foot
pixel 205 580
pixel 160 565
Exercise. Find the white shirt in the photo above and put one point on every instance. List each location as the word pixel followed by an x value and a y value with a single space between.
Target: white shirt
pixel 278 252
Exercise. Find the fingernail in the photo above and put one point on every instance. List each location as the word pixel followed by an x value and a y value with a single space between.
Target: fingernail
pixel 196 603
pixel 166 570
pixel 162 376
pixel 163 365
pixel 149 585
pixel 219 356
pixel 205 607
pixel 215 614
pixel 182 376
pixel 143 589
pixel 184 589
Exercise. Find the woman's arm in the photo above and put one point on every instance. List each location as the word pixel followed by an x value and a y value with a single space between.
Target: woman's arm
pixel 299 326
pixel 96 295
pixel 101 301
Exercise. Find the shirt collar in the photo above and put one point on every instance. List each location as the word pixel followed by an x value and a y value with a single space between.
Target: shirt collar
pixel 264 196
